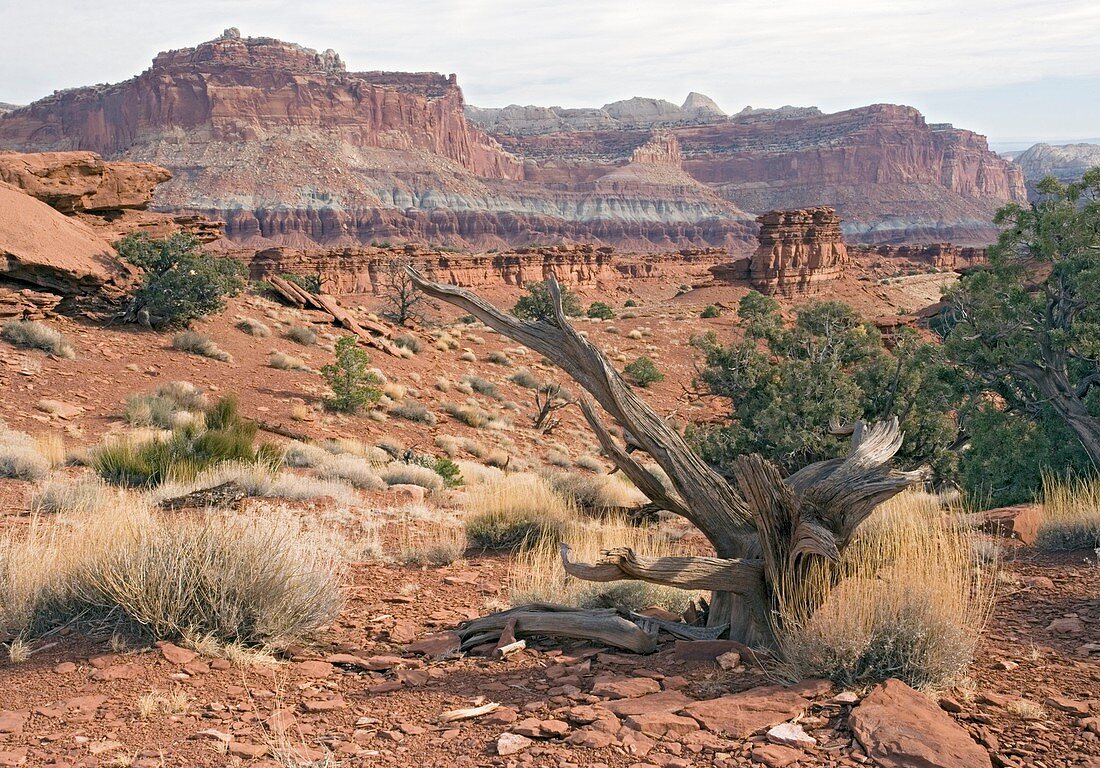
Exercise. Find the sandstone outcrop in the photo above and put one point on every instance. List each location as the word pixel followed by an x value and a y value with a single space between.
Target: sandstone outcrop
pixel 42 248
pixel 75 182
pixel 938 255
pixel 799 251
pixel 363 269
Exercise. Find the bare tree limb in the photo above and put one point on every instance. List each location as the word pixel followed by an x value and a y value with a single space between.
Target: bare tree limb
pixel 713 573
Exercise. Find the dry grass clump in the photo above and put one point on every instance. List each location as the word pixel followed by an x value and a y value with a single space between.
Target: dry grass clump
pixel 352 469
pixel 82 495
pixel 409 342
pixel 375 454
pixel 301 334
pixel 518 511
pixel 400 473
pixel 499 358
pixel 589 462
pixel 166 407
pixel 911 602
pixel 596 492
pixel 538 575
pixel 427 537
pixel 197 344
pixel 1026 709
pixel 154 703
pixel 413 411
pixel 259 480
pixel 285 362
pixel 482 386
pixel 31 334
pixel 303 455
pixel 1071 514
pixel 475 473
pixel 253 327
pixel 24 457
pixel 252 581
pixel 524 378
pixel 470 414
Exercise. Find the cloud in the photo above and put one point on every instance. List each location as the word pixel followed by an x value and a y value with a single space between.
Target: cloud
pixel 586 52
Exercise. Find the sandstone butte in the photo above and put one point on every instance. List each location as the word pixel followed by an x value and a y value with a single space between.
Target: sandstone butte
pixel 290 148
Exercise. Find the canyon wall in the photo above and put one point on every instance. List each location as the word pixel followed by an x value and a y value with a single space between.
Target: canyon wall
pixel 290 148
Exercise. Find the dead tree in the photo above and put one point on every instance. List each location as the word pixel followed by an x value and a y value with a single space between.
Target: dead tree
pixel 547 400
pixel 767 531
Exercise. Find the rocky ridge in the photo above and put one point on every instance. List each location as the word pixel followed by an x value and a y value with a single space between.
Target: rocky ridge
pixel 1066 162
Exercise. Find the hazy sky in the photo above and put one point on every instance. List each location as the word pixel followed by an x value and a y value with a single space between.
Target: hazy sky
pixel 1012 69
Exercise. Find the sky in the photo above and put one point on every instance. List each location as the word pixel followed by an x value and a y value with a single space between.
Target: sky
pixel 1014 70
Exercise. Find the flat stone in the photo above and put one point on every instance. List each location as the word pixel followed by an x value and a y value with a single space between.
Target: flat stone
pixel 11 722
pixel 511 743
pixel 117 672
pixel 1067 705
pixel 708 650
pixel 314 669
pixel 624 687
pixel 776 755
pixel 790 735
pixel 661 724
pixel 65 668
pixel 324 705
pixel 665 701
pixel 246 750
pixel 741 714
pixel 176 655
pixel 901 728
pixel 437 645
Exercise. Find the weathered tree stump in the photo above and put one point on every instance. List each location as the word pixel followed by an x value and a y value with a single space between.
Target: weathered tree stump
pixel 767 531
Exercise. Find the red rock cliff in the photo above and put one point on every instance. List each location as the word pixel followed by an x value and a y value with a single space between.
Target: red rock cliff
pixel 799 251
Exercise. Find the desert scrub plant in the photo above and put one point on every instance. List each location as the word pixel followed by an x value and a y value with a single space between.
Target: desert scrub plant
pixel 538 574
pixel 245 580
pixel 482 386
pixel 285 362
pixel 302 455
pixel 710 311
pixel 72 496
pixel 259 480
pixel 253 327
pixel 499 358
pixel 222 436
pixel 909 602
pixel 301 334
pixel 197 344
pixel 524 378
pixel 180 283
pixel 409 342
pixel 401 473
pixel 428 537
pixel 537 304
pixel 589 462
pixel 518 511
pixel 600 310
pixel 21 456
pixel 643 372
pixel 167 406
pixel 1071 514
pixel 352 469
pixel 596 493
pixel 31 334
pixel 353 385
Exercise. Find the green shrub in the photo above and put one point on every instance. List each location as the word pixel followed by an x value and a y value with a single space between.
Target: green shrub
pixel 643 372
pixel 164 406
pixel 482 386
pixel 538 305
pixel 710 311
pixel 353 385
pixel 449 471
pixel 31 334
pixel 197 344
pixel 630 303
pixel 222 437
pixel 600 310
pixel 180 282
pixel 413 411
pixel 311 283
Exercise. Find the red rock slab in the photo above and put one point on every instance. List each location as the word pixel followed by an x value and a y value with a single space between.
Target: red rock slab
pixel 902 728
pixel 739 715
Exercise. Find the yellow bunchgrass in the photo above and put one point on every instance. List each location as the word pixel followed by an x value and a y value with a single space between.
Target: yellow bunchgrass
pixel 517 511
pixel 1071 514
pixel 910 601
pixel 250 580
pixel 539 576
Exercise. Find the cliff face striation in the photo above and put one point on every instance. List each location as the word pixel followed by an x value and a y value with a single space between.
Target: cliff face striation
pixel 290 148
pixel 1066 162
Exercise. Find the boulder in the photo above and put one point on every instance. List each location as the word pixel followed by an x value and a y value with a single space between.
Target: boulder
pixel 902 728
pixel 1019 522
pixel 74 182
pixel 41 247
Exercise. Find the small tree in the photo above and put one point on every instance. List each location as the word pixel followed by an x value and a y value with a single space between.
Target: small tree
pixel 1023 333
pixel 537 304
pixel 643 372
pixel 710 311
pixel 353 386
pixel 402 299
pixel 601 311
pixel 180 283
